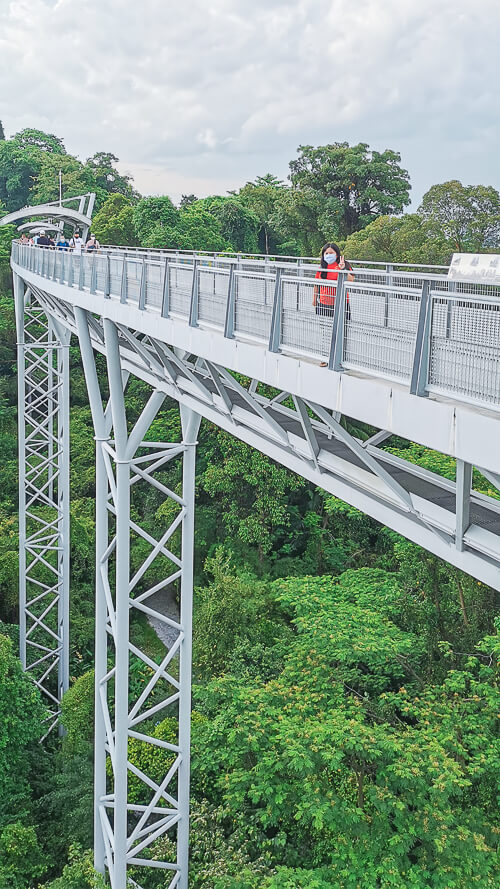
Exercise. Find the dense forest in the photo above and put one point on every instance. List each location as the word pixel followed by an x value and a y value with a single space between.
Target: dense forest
pixel 345 704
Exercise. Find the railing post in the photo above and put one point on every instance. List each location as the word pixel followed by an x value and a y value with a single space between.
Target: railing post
pixel 165 303
pixel 107 278
pixel 61 273
pixel 93 274
pixel 142 286
pixel 193 308
pixel 81 274
pixel 452 287
pixel 54 266
pixel 123 289
pixel 71 269
pixel 230 304
pixel 422 343
pixel 336 357
pixel 276 318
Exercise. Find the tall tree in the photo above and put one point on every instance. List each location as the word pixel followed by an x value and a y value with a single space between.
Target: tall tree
pixel 18 171
pixel 106 176
pixel 2 133
pixel 76 179
pixel 353 184
pixel 152 212
pixel 238 224
pixel 262 197
pixel 408 238
pixel 30 138
pixel 469 215
pixel 114 222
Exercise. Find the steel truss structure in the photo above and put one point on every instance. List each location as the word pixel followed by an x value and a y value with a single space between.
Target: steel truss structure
pixel 44 545
pixel 127 832
pixel 141 818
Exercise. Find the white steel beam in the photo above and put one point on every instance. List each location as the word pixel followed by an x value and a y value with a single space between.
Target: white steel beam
pixel 44 517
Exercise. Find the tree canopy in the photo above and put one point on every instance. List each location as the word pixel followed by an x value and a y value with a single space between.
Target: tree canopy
pixel 468 215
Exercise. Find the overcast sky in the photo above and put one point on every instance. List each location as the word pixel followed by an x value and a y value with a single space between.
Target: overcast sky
pixel 203 95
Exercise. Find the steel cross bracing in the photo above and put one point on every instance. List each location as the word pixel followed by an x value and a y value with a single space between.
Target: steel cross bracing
pixel 131 822
pixel 43 389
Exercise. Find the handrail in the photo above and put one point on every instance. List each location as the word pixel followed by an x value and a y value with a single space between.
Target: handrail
pixel 395 326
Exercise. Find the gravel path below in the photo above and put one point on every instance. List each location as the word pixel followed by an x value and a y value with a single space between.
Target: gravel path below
pixel 165 603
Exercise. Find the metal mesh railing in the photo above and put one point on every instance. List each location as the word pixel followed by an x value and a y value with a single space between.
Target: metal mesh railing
pixel 153 285
pixel 213 285
pixel 180 286
pixel 305 329
pixel 464 349
pixel 378 334
pixel 379 329
pixel 254 295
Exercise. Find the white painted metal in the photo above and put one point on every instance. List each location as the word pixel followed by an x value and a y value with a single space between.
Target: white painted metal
pixel 126 833
pixel 44 544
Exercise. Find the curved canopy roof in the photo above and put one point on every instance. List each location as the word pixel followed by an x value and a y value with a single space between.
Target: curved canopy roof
pixel 57 211
pixel 47 224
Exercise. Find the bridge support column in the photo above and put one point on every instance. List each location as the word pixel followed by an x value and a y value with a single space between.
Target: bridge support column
pixel 141 757
pixel 44 520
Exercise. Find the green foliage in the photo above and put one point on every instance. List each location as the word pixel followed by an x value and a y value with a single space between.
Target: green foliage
pixel 154 214
pixel 409 239
pixel 47 142
pixel 21 859
pixel 360 787
pixel 107 177
pixel 79 873
pixel 469 216
pixel 251 490
pixel 114 222
pixel 76 178
pixel 238 224
pixel 78 714
pixel 262 197
pixel 350 185
pixel 21 717
pixel 227 611
pixel 18 169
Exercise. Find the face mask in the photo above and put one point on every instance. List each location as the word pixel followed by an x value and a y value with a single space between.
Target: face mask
pixel 330 257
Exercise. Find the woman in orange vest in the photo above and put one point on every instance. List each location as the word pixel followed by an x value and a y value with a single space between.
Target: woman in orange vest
pixel 331 264
pixel 324 296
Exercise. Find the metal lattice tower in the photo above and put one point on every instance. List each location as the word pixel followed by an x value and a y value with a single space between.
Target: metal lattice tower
pixel 125 831
pixel 43 387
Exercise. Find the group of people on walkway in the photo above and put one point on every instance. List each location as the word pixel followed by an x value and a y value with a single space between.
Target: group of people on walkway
pixel 76 243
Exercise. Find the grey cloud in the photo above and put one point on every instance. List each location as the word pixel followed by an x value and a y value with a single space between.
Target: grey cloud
pixel 231 87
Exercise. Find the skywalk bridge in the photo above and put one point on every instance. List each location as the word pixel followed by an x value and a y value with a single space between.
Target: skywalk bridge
pixel 413 352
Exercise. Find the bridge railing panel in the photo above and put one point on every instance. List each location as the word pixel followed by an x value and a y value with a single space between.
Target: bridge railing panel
pixel 212 294
pixel 464 348
pixel 304 330
pixel 380 326
pixel 153 285
pixel 133 275
pixel 180 287
pixel 254 296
